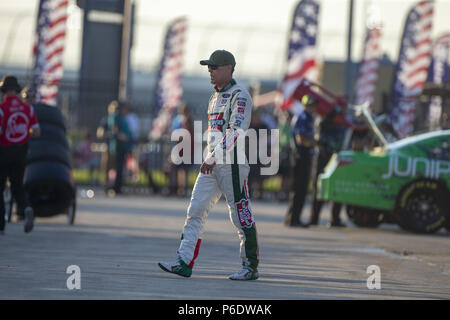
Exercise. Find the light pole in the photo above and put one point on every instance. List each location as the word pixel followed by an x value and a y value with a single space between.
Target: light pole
pixel 349 66
pixel 125 54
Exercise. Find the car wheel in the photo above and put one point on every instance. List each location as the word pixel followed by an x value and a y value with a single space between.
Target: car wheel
pixel 364 217
pixel 420 206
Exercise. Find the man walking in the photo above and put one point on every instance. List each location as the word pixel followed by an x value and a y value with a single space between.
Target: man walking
pixel 18 121
pixel 229 114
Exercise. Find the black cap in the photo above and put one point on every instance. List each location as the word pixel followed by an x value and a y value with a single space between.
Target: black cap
pixel 8 83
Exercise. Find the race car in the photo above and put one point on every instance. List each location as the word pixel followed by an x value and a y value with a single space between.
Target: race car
pixel 405 182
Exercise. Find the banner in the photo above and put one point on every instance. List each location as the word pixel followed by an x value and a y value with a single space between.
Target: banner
pixel 168 86
pixel 48 50
pixel 301 62
pixel 438 74
pixel 412 67
pixel 368 70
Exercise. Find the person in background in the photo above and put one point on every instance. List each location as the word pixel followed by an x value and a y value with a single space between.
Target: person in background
pixel 131 162
pixel 123 139
pixel 303 132
pixel 331 139
pixel 255 179
pixel 86 157
pixel 286 147
pixel 179 173
pixel 28 95
pixel 105 134
pixel 18 123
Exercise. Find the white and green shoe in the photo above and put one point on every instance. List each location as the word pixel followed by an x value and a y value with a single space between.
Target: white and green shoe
pixel 246 273
pixel 179 267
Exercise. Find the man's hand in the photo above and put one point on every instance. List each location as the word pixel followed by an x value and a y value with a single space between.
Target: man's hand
pixel 35 132
pixel 207 166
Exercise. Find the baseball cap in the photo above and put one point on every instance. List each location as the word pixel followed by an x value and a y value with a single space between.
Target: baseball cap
pixel 219 58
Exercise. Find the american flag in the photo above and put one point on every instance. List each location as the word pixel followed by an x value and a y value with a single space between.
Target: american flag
pixel 48 49
pixel 302 53
pixel 168 88
pixel 368 70
pixel 412 67
pixel 438 74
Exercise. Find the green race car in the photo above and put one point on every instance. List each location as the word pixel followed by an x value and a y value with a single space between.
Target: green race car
pixel 405 182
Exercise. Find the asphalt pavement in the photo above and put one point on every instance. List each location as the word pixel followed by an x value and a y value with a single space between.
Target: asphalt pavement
pixel 112 251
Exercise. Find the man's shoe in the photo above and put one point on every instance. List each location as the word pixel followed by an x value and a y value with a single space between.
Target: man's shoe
pixel 336 224
pixel 246 273
pixel 179 267
pixel 29 220
pixel 299 225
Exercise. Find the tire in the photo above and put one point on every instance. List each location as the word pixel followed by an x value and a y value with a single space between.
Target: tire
pixel 364 217
pixel 51 132
pixel 447 216
pixel 421 205
pixel 50 115
pixel 47 150
pixel 50 187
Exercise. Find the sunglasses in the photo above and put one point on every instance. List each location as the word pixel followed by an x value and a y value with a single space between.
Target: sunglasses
pixel 213 66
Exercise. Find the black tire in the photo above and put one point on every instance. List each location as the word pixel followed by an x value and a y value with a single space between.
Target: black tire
pixel 364 217
pixel 46 150
pixel 50 187
pixel 50 115
pixel 51 132
pixel 421 205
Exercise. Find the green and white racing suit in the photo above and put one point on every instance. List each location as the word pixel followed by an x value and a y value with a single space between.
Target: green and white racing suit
pixel 229 115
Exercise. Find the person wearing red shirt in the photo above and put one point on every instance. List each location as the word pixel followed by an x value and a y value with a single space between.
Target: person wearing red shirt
pixel 18 123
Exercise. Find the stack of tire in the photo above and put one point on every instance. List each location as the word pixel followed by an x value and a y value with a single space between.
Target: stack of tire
pixel 48 174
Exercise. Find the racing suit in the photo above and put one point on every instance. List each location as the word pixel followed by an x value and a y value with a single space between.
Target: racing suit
pixel 16 119
pixel 229 110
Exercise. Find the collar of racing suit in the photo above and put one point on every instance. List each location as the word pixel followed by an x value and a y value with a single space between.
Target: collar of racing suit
pixel 8 98
pixel 226 87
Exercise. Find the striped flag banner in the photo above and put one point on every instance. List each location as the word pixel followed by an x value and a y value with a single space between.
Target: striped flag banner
pixel 301 63
pixel 169 90
pixel 368 70
pixel 412 67
pixel 48 49
pixel 438 74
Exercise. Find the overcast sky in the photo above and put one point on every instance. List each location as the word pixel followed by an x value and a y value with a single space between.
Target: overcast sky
pixel 255 31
